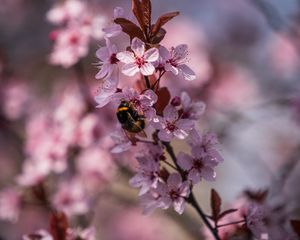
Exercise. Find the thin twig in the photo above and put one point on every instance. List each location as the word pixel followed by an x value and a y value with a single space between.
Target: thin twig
pixel 191 199
pixel 148 85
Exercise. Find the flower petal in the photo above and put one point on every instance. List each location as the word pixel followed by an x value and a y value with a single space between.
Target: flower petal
pixel 184 161
pixel 126 57
pixel 102 53
pixel 105 69
pixel 188 74
pixel 165 135
pixel 170 113
pixel 174 181
pixel 179 205
pixel 138 47
pixel 151 55
pixel 130 69
pixel 147 69
pixel 194 176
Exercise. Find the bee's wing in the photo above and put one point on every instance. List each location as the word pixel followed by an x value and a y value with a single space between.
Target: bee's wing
pixel 142 132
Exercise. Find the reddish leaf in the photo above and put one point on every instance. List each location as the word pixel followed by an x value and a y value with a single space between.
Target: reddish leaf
pixel 296 226
pixel 162 20
pixel 146 8
pixel 164 97
pixel 130 28
pixel 138 12
pixel 156 39
pixel 223 214
pixel 58 225
pixel 142 12
pixel 215 202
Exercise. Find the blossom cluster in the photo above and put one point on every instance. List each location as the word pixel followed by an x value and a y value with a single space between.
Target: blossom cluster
pixel 165 119
pixel 77 26
pixel 67 164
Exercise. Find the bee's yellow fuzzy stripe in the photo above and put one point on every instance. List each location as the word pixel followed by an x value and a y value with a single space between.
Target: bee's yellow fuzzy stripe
pixel 123 109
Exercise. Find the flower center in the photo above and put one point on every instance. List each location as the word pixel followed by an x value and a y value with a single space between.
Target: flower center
pixel 74 39
pixel 139 61
pixel 113 59
pixel 171 126
pixel 173 62
pixel 174 195
pixel 198 164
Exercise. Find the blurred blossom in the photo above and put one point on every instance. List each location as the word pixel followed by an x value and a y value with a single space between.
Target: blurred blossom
pixel 15 100
pixel 79 26
pixel 71 198
pixel 236 88
pixel 95 167
pixel 85 234
pixel 90 130
pixel 10 204
pixel 283 55
pixel 38 235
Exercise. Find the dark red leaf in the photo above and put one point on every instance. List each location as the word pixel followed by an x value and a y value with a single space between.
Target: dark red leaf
pixel 146 8
pixel 164 97
pixel 296 226
pixel 162 20
pixel 138 12
pixel 142 12
pixel 58 226
pixel 215 202
pixel 226 213
pixel 130 28
pixel 156 39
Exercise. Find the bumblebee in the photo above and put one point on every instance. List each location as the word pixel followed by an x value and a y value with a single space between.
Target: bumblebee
pixel 129 118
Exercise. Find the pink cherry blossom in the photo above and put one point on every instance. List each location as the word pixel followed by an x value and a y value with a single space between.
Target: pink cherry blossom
pixel 152 200
pixel 34 172
pixel 147 176
pixel 89 130
pixel 70 9
pixel 255 220
pixel 174 192
pixel 170 125
pixel 85 234
pixel 175 61
pixel 205 145
pixel 10 204
pixel 70 45
pixel 121 142
pixel 114 30
pixel 197 166
pixel 95 167
pixel 107 60
pixel 139 60
pixel 38 235
pixel 71 198
pixel 191 110
pixel 105 96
